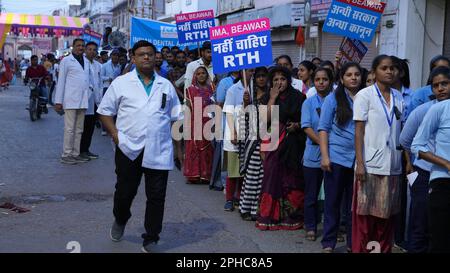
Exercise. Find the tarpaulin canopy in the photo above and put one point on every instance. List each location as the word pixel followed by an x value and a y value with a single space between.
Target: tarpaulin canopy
pixel 43 20
pixel 40 25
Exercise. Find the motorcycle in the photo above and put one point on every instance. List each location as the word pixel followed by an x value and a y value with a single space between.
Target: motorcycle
pixel 38 104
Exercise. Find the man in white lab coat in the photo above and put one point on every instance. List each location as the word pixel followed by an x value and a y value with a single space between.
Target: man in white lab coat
pixel 95 96
pixel 72 95
pixel 145 105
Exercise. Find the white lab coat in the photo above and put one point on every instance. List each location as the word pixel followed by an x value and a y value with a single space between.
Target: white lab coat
pixel 95 86
pixel 380 140
pixel 141 120
pixel 72 89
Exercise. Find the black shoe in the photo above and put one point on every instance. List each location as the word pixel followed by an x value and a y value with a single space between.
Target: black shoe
pixel 148 246
pixel 177 164
pixel 91 155
pixel 228 206
pixel 116 232
pixel 149 242
pixel 217 188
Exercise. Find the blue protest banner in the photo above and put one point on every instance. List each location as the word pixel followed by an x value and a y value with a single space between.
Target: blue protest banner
pixel 194 26
pixel 91 36
pixel 354 19
pixel 158 33
pixel 241 45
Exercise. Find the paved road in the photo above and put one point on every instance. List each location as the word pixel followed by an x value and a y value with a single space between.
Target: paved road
pixel 74 203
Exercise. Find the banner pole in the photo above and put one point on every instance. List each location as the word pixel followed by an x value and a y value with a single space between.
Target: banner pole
pixel 245 78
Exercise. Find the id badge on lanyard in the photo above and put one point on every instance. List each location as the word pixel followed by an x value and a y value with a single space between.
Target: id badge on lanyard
pixel 389 119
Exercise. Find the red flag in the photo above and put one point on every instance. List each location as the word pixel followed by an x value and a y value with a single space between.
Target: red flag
pixel 300 37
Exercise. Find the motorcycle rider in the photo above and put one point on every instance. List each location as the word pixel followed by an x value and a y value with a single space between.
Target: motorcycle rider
pixel 38 71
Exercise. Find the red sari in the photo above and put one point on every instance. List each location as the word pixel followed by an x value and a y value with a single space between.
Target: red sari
pixel 198 153
pixel 6 74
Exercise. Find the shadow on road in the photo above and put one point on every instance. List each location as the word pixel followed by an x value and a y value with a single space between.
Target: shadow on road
pixel 177 234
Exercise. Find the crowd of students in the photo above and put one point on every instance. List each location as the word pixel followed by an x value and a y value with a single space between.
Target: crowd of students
pixel 352 134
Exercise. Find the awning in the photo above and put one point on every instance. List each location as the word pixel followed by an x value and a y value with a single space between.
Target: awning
pixel 43 20
pixel 40 25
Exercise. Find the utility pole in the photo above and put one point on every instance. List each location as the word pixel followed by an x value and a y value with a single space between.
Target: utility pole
pixel 153 9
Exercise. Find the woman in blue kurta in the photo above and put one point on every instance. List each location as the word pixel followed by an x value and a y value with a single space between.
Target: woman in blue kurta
pixel 323 81
pixel 336 132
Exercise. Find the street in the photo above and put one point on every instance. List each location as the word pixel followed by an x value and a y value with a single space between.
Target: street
pixel 74 203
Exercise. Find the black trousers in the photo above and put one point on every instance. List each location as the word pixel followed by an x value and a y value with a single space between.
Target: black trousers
pixel 50 94
pixel 439 215
pixel 400 226
pixel 88 131
pixel 418 216
pixel 129 175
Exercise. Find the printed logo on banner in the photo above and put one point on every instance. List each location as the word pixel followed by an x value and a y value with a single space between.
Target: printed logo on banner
pixel 354 18
pixel 352 50
pixel 194 26
pixel 241 46
pixel 168 32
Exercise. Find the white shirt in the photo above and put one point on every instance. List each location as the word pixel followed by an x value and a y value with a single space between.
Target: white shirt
pixel 72 88
pixel 54 72
pixel 233 98
pixel 311 92
pixel 95 86
pixel 297 84
pixel 380 140
pixel 141 120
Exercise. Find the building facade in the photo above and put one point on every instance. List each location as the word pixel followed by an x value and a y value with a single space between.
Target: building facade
pixel 417 31
pixel 173 7
pixel 100 15
pixel 123 10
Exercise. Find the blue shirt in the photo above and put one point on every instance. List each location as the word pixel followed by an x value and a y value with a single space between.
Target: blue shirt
pixel 407 95
pixel 109 71
pixel 341 139
pixel 410 130
pixel 165 65
pixel 222 88
pixel 162 72
pixel 147 87
pixel 420 96
pixel 436 126
pixel 310 119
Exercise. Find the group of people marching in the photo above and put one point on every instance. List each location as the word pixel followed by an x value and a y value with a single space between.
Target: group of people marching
pixel 351 132
pixel 334 132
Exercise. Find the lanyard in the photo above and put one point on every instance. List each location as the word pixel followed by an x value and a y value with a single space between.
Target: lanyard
pixel 319 100
pixel 389 121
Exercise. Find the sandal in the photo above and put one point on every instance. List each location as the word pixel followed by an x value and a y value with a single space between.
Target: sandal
pixel 310 236
pixel 246 216
pixel 327 250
